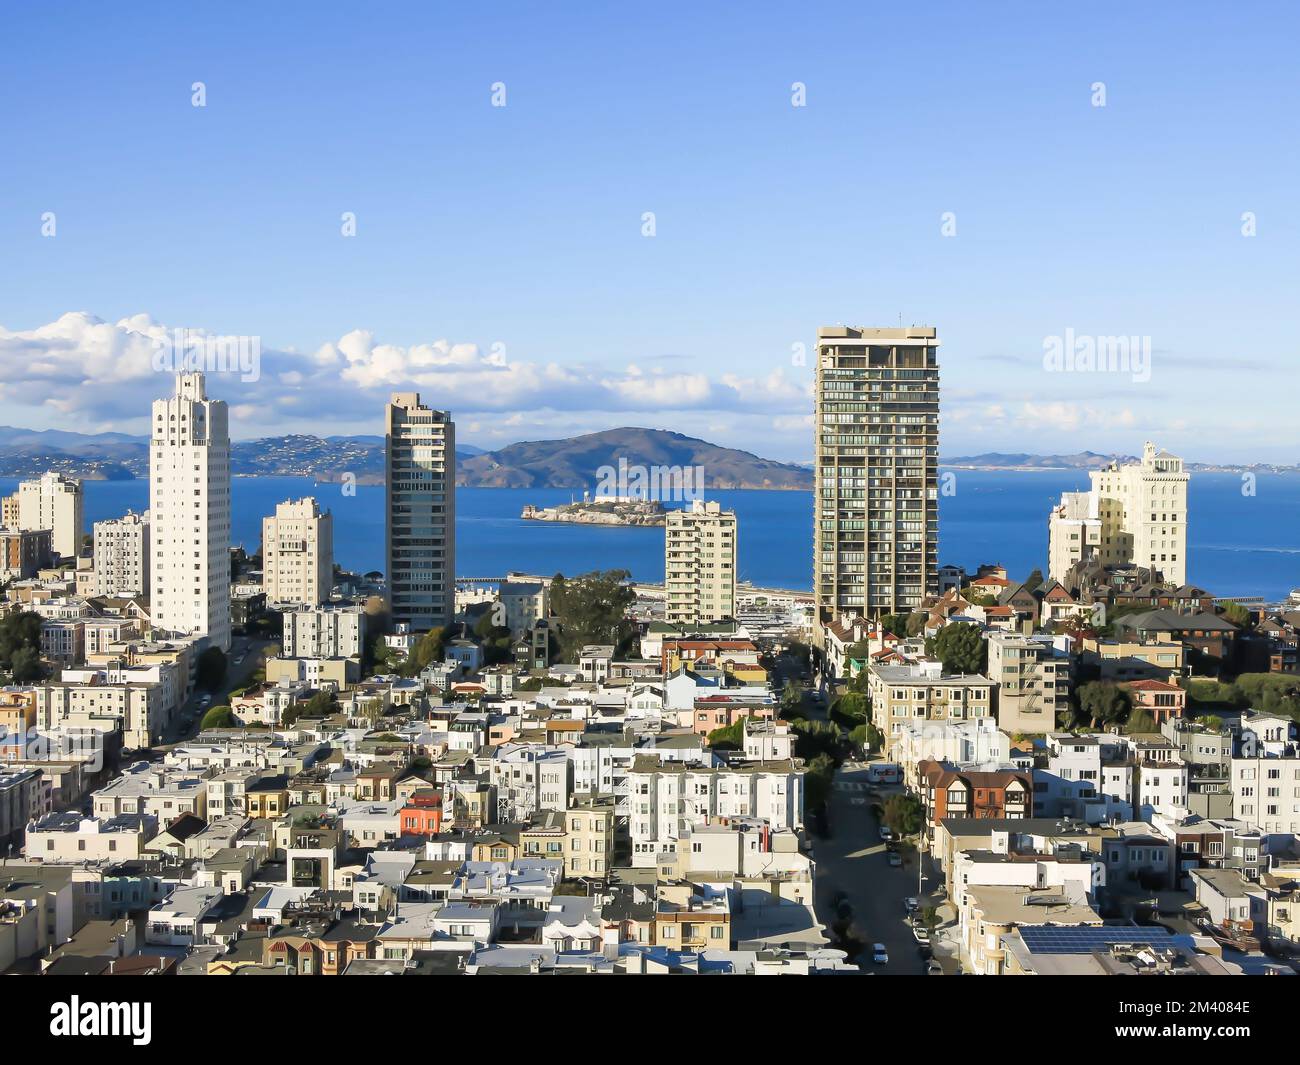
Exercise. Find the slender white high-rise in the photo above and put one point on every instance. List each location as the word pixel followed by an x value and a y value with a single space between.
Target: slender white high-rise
pixel 189 504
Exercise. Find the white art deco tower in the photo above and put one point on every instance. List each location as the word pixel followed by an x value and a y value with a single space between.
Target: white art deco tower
pixel 189 504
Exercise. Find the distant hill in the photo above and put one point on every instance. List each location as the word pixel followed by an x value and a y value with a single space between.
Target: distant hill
pixel 1081 460
pixel 570 463
pixel 567 463
pixel 574 462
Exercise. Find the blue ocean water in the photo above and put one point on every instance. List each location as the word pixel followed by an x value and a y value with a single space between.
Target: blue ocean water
pixel 1240 544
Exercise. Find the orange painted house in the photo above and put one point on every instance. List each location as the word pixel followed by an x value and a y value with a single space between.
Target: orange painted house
pixel 422 815
pixel 1161 700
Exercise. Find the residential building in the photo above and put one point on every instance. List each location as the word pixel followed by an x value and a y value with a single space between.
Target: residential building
pixel 24 552
pixel 700 563
pixel 1074 533
pixel 298 553
pixel 55 502
pixel 876 509
pixel 921 691
pixel 1159 658
pixel 1204 634
pixel 952 791
pixel 667 798
pixel 1266 789
pixel 1134 513
pixel 589 844
pixel 1162 700
pixel 334 630
pixel 189 509
pixel 123 554
pixel 68 837
pixel 25 796
pixel 1032 679
pixel 420 512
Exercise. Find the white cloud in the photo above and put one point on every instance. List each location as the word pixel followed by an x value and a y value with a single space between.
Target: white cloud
pixel 93 374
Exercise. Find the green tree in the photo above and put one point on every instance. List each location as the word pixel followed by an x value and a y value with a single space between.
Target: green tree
pixel 20 637
pixel 211 669
pixel 1236 614
pixel 1141 721
pixel 1102 703
pixel 812 738
pixel 894 623
pixel 904 814
pixel 915 624
pixel 321 704
pixel 792 699
pixel 494 639
pixel 817 782
pixel 961 648
pixel 850 709
pixel 592 609
pixel 428 648
pixel 25 665
pixel 218 717
pixel 729 737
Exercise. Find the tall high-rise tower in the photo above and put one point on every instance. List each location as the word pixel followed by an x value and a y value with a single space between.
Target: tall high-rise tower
pixel 876 509
pixel 420 477
pixel 189 513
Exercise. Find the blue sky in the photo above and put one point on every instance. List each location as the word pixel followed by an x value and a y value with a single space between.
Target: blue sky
pixel 499 262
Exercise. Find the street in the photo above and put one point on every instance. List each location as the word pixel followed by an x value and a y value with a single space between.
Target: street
pixel 185 722
pixel 855 861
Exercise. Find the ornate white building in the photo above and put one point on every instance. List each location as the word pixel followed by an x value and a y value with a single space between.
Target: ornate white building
pixel 189 506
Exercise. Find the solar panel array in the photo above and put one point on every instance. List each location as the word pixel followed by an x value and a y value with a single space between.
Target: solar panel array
pixel 1085 939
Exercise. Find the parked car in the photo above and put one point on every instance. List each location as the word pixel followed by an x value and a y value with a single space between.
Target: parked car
pixel 886 833
pixel 895 859
pixel 911 903
pixel 933 968
pixel 879 954
pixel 920 933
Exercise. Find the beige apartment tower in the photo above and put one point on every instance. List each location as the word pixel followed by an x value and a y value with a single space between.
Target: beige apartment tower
pixel 298 553
pixel 53 501
pixel 1134 514
pixel 700 564
pixel 189 513
pixel 420 525
pixel 876 509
